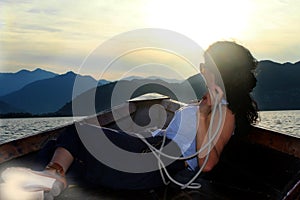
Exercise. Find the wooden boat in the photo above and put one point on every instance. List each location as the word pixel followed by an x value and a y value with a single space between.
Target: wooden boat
pixel 262 165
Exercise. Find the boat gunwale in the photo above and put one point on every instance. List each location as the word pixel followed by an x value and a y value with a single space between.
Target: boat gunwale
pixel 28 144
pixel 275 140
pixel 282 142
pixel 287 143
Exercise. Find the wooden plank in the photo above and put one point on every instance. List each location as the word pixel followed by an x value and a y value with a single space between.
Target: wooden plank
pixel 294 193
pixel 23 146
pixel 278 141
pixel 28 144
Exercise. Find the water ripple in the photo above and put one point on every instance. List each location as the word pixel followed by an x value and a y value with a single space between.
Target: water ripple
pixel 282 121
pixel 11 129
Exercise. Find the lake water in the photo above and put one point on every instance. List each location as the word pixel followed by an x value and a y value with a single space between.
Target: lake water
pixel 281 121
pixel 11 129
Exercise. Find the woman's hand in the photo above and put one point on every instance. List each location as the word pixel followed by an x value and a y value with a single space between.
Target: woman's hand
pixel 214 96
pixel 205 106
pixel 223 135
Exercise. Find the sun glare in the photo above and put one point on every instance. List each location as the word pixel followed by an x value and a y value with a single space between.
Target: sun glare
pixel 203 21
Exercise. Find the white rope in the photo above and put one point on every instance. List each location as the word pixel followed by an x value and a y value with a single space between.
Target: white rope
pixel 158 153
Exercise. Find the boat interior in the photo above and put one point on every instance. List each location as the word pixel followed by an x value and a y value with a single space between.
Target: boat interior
pixel 263 166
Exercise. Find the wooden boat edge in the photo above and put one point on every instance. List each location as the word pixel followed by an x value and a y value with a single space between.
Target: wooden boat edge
pixel 271 139
pixel 282 142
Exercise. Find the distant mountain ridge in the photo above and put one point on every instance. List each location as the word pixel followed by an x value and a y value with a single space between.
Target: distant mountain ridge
pixel 6 108
pixel 188 90
pixel 10 82
pixel 278 88
pixel 47 95
pixel 169 80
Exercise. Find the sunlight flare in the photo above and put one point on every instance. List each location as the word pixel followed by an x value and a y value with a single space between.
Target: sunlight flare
pixel 204 21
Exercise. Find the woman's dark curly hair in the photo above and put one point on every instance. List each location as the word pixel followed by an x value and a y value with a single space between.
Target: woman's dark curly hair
pixel 236 66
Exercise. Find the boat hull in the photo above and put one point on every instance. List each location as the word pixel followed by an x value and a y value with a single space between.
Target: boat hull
pixel 263 165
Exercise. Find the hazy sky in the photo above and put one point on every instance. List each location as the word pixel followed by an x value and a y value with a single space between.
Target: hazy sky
pixel 58 35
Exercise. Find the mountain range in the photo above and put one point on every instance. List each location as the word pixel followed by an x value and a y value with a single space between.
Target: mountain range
pixel 10 82
pixel 118 92
pixel 40 91
pixel 278 86
pixel 46 95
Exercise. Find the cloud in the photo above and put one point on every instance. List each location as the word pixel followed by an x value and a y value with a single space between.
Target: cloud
pixel 34 27
pixel 63 32
pixel 43 11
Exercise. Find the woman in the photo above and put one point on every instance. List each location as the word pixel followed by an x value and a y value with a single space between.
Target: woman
pixel 235 64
